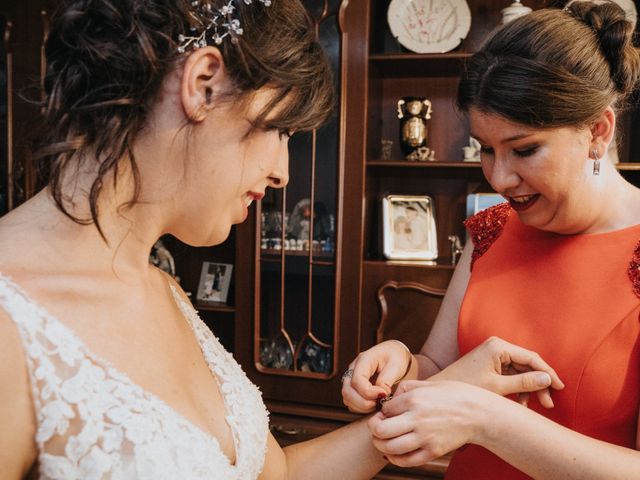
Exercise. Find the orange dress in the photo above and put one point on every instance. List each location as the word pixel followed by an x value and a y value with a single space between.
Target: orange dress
pixel 574 299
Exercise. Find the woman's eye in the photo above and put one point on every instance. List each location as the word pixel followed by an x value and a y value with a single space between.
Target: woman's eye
pixel 486 150
pixel 526 152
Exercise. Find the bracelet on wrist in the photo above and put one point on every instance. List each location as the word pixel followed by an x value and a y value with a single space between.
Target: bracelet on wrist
pixel 410 362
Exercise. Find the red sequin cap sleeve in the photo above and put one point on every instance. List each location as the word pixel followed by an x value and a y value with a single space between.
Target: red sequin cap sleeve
pixel 485 227
pixel 634 270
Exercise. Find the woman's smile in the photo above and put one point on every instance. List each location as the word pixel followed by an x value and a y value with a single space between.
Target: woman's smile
pixel 521 203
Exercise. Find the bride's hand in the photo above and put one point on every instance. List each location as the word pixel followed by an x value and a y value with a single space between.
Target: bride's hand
pixel 373 373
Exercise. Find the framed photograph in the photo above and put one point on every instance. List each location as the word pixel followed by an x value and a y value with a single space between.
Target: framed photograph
pixel 215 279
pixel 409 228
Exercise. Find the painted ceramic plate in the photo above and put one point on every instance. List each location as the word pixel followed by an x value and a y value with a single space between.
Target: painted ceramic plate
pixel 429 26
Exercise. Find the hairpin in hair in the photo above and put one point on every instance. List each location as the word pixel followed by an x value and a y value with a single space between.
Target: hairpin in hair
pixel 217 23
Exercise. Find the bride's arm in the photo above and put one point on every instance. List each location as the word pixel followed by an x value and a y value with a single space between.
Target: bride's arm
pixel 17 419
pixel 346 453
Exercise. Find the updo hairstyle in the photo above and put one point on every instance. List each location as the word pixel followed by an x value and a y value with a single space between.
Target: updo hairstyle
pixel 554 68
pixel 107 59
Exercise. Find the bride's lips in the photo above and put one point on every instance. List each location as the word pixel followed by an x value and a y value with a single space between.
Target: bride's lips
pixel 247 200
pixel 523 202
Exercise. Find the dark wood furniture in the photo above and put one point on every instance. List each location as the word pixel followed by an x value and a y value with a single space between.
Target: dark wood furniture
pixel 374 73
pixel 328 300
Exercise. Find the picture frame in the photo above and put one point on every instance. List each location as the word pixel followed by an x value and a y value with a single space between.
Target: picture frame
pixel 215 279
pixel 409 227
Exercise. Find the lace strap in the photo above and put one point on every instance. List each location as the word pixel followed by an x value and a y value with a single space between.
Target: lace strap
pixel 485 227
pixel 49 347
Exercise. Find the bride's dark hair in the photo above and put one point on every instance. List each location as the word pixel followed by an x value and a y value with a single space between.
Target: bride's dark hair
pixel 107 59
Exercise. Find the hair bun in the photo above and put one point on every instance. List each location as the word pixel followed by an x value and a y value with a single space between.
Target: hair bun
pixel 615 35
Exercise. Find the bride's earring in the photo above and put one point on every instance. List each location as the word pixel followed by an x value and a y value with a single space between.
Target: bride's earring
pixel 596 162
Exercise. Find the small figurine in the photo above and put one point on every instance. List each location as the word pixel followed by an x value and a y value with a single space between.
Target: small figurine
pixel 422 154
pixel 471 153
pixel 162 258
pixel 456 248
pixel 413 112
pixel 513 11
pixel 386 145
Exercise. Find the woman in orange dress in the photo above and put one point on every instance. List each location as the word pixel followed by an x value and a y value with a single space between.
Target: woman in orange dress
pixel 555 270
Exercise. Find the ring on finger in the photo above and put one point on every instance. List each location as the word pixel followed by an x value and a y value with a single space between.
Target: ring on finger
pixel 347 374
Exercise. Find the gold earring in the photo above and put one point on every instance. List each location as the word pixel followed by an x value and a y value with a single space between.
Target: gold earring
pixel 596 162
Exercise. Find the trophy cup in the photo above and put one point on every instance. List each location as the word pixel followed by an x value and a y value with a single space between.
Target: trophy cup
pixel 413 113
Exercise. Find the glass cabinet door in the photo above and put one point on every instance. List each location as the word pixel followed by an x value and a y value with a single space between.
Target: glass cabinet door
pixel 296 273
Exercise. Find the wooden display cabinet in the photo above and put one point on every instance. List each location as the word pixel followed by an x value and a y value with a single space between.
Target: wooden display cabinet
pixel 374 72
pixel 327 297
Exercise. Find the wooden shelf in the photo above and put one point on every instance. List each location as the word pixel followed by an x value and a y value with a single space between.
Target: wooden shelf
pixel 222 307
pixel 624 166
pixel 273 253
pixel 628 166
pixel 412 57
pixel 408 164
pixel 435 264
pixel 417 65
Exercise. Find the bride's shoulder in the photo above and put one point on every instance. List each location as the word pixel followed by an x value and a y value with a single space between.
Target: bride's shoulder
pixel 17 449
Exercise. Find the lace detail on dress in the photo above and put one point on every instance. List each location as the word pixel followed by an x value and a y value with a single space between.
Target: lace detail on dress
pixel 95 423
pixel 634 270
pixel 485 227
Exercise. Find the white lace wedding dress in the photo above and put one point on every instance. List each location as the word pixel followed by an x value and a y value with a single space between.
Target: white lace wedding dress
pixel 93 422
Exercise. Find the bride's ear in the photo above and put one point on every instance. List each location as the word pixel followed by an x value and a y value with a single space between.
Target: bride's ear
pixel 203 77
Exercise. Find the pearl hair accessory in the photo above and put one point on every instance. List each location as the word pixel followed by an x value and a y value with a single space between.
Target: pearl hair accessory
pixel 217 23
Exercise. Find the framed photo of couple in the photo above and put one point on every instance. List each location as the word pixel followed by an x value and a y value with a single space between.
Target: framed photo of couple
pixel 409 227
pixel 215 279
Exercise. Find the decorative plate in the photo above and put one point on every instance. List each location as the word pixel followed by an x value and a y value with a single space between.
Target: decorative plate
pixel 429 26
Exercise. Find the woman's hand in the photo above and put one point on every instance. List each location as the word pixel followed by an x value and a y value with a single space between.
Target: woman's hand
pixel 504 368
pixel 373 373
pixel 425 420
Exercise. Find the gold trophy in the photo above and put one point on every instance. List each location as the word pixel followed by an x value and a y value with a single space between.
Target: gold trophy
pixel 413 113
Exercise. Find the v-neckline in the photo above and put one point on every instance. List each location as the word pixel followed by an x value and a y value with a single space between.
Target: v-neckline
pixel 147 394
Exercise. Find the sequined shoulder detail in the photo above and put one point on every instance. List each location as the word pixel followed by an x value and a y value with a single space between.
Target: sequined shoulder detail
pixel 485 227
pixel 634 270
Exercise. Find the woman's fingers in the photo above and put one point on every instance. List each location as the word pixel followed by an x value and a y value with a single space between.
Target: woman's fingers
pixel 521 358
pixel 384 428
pixel 358 394
pixel 398 445
pixel 544 397
pixel 522 382
pixel 411 459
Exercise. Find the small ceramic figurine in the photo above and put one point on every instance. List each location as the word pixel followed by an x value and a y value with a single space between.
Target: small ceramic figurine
pixel 413 112
pixel 456 248
pixel 513 11
pixel 471 153
pixel 422 154
pixel 386 149
pixel 161 257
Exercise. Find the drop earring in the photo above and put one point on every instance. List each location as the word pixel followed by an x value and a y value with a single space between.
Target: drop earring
pixel 596 162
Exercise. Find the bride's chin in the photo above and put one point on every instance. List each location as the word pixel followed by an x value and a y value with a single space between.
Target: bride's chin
pixel 205 239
